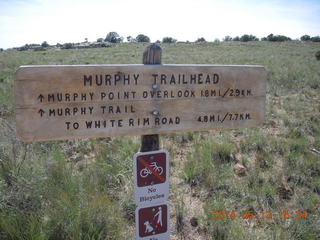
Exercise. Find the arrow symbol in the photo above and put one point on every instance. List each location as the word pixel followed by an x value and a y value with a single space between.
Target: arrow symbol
pixel 41 97
pixel 41 112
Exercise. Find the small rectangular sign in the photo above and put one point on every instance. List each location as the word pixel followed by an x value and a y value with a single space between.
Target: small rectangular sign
pixel 152 223
pixel 151 177
pixel 68 102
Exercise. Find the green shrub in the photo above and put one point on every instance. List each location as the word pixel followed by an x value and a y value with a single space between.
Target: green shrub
pixel 236 39
pixel 24 48
pixel 44 44
pixel 277 38
pixel 67 46
pixel 305 38
pixel 247 38
pixel 113 37
pixel 315 39
pixel 142 38
pixel 169 40
pixel 39 49
pixel 200 40
pixel 100 40
pixel 227 39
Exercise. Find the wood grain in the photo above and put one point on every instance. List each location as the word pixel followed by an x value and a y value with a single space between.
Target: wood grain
pixel 49 97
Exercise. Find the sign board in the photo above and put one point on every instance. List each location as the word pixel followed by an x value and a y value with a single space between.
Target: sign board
pixel 152 223
pixel 67 102
pixel 151 177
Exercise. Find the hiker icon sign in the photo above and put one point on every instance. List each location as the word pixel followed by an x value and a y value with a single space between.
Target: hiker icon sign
pixel 151 171
pixel 153 221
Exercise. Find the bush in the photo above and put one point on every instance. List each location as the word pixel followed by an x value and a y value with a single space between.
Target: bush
pixel 236 39
pixel 317 55
pixel 131 39
pixel 39 49
pixel 113 37
pixel 142 38
pixel 247 38
pixel 277 38
pixel 100 40
pixel 315 39
pixel 44 44
pixel 169 40
pixel 24 48
pixel 67 46
pixel 199 40
pixel 305 38
pixel 227 39
pixel 1 49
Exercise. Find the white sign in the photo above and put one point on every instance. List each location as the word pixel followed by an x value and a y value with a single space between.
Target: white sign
pixel 151 177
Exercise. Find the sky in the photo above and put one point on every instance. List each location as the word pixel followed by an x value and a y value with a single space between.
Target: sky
pixel 60 21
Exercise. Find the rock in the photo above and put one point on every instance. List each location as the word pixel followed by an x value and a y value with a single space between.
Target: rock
pixel 240 169
pixel 285 193
pixel 194 222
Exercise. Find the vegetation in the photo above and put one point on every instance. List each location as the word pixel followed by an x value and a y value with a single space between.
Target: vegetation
pixel 247 38
pixel 267 178
pixel 276 38
pixel 67 46
pixel 113 37
pixel 142 38
pixel 315 39
pixel 227 39
pixel 44 44
pixel 200 40
pixel 305 38
pixel 169 40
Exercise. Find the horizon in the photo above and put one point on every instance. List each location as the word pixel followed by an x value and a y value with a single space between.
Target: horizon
pixel 34 21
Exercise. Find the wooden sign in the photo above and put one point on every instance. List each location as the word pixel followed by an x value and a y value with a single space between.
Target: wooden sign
pixel 67 102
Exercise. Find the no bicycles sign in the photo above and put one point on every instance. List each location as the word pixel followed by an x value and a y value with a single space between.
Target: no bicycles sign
pixel 151 173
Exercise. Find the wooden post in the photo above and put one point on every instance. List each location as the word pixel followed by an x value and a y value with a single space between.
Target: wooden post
pixel 151 55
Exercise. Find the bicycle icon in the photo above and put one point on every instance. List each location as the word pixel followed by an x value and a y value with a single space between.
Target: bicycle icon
pixel 145 172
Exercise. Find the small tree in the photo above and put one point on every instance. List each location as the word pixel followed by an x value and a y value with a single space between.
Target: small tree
pixel 315 39
pixel 227 39
pixel 247 38
pixel 236 39
pixel 67 46
pixel 199 40
pixel 113 37
pixel 169 40
pixel 100 40
pixel 305 38
pixel 142 38
pixel 1 49
pixel 131 39
pixel 44 44
pixel 277 38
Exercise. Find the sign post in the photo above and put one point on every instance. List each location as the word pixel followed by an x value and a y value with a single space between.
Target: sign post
pixel 85 101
